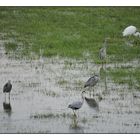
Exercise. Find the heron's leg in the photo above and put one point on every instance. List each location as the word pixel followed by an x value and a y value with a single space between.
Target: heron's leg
pixel 102 64
pixel 93 92
pixel 5 97
pixel 90 92
pixel 105 64
pixel 42 67
pixel 9 96
pixel 74 113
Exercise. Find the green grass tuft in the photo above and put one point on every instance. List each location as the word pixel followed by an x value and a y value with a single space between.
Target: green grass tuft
pixel 71 31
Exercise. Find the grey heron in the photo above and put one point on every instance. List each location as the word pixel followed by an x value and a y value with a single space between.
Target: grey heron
pixel 92 81
pixel 7 87
pixel 102 51
pixel 77 104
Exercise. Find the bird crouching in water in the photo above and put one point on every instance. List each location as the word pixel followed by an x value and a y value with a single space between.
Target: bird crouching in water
pixel 7 88
pixel 77 104
pixel 92 81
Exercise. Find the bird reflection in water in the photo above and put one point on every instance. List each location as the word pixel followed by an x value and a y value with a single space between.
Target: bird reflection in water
pixel 92 103
pixel 7 105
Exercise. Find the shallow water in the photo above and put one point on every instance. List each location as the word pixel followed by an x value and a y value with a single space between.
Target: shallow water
pixel 43 89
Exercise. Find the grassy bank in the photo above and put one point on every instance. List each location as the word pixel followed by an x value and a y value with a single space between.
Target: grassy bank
pixel 74 32
pixel 69 31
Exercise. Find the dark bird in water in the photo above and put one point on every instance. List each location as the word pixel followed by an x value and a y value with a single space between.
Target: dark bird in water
pixel 77 104
pixel 7 87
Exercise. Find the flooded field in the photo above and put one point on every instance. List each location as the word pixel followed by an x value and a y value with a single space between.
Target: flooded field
pixel 43 89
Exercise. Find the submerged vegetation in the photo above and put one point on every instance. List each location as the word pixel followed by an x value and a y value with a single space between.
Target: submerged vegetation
pixel 51 115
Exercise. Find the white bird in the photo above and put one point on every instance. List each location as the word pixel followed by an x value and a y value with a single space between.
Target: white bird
pixel 130 30
pixel 77 104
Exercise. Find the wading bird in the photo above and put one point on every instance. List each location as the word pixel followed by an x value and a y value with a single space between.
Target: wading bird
pixel 77 104
pixel 130 30
pixel 7 88
pixel 92 81
pixel 102 51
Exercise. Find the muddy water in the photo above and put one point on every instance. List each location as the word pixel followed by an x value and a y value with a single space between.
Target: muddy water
pixel 42 90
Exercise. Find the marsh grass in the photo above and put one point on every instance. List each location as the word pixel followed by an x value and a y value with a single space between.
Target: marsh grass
pixel 126 76
pixel 51 116
pixel 72 32
pixel 62 82
pixel 50 93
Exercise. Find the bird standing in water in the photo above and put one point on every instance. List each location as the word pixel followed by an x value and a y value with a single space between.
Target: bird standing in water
pixel 7 88
pixel 77 104
pixel 102 51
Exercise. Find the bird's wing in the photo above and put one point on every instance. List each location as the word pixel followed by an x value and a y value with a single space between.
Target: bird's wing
pixel 5 86
pixel 89 81
pixel 76 104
